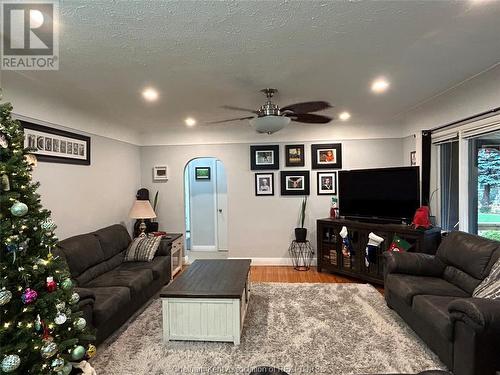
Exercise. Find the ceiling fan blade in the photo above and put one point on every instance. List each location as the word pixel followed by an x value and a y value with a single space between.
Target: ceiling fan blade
pixel 232 119
pixel 239 109
pixel 309 118
pixel 306 107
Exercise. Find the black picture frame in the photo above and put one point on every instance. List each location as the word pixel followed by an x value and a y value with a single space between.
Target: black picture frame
pixel 413 158
pixel 256 164
pixel 317 149
pixel 301 155
pixel 320 187
pixel 202 176
pixel 260 193
pixel 286 190
pixel 50 138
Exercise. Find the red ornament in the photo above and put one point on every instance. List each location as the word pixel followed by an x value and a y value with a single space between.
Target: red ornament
pixel 51 284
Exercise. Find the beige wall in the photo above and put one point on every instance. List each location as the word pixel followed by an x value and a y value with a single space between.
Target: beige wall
pixel 259 227
pixel 86 198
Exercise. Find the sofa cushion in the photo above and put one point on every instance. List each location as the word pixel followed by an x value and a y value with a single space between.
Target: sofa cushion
pixel 100 268
pixel 142 249
pixel 461 279
pixel 135 280
pixel 114 239
pixel 469 253
pixel 159 266
pixel 108 301
pixel 434 311
pixel 408 286
pixel 81 252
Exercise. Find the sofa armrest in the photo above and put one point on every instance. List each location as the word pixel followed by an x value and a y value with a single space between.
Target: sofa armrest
pixel 412 264
pixel 164 248
pixel 85 294
pixel 481 314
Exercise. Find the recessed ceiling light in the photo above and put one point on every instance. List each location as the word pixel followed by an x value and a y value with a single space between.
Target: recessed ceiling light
pixel 344 116
pixel 380 85
pixel 190 121
pixel 150 94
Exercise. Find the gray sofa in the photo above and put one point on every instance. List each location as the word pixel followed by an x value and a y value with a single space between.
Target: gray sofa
pixel 110 289
pixel 433 294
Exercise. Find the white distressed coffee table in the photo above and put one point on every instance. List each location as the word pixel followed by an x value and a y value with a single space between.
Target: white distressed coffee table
pixel 208 302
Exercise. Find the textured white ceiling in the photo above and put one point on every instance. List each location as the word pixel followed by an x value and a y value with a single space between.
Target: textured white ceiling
pixel 201 55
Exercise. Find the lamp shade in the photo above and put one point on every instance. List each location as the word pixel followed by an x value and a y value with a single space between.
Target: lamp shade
pixel 142 210
pixel 269 124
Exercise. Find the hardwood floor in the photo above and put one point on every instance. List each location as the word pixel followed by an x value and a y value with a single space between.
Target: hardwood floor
pixel 285 274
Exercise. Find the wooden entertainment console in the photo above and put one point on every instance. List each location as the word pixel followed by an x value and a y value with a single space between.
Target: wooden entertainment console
pixel 331 259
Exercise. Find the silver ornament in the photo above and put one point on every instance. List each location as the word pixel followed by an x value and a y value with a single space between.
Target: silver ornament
pixel 48 225
pixel 3 141
pixel 57 364
pixel 19 209
pixel 66 370
pixel 49 349
pixel 75 297
pixel 80 323
pixel 5 183
pixel 61 306
pixel 11 363
pixel 60 318
pixel 5 297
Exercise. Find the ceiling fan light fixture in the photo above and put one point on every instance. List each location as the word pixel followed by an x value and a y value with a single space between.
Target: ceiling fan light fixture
pixel 269 124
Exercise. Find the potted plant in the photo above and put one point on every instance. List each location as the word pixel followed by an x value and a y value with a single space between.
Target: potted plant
pixel 301 232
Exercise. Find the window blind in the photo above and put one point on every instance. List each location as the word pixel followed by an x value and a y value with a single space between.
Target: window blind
pixel 467 129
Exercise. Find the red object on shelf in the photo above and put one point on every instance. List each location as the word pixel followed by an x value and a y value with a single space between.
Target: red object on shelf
pixel 421 218
pixel 158 234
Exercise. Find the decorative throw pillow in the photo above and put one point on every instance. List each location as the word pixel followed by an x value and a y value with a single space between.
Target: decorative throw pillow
pixel 142 249
pixel 490 287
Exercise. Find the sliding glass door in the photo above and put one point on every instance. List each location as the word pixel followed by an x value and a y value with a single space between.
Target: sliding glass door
pixel 484 186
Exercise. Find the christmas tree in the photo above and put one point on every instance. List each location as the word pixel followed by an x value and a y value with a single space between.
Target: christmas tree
pixel 42 330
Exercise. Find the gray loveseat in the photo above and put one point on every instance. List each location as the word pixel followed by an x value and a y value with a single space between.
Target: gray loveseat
pixel 433 294
pixel 110 289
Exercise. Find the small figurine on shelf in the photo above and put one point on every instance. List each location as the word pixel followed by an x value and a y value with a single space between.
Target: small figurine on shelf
pixel 334 210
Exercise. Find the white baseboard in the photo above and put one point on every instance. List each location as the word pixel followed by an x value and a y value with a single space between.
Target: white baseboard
pixel 272 261
pixel 203 248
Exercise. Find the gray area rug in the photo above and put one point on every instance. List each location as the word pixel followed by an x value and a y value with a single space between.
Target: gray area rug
pixel 302 328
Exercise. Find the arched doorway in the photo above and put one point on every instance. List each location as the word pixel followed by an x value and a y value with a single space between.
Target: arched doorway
pixel 205 202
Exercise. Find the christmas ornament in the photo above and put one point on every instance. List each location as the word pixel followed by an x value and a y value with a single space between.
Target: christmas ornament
pixel 11 363
pixel 5 297
pixel 3 141
pixel 57 364
pixel 5 183
pixel 48 225
pixel 51 284
pixel 23 245
pixel 75 297
pixel 80 324
pixel 11 248
pixel 67 284
pixel 31 159
pixel 60 306
pixel 66 370
pixel 19 209
pixel 38 323
pixel 77 353
pixel 49 349
pixel 60 318
pixel 91 351
pixel 29 296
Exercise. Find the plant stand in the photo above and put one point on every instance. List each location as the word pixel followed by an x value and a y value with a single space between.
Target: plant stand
pixel 301 254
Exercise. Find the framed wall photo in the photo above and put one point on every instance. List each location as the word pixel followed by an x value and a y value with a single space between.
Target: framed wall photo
pixel 326 156
pixel 294 182
pixel 202 173
pixel 264 184
pixel 55 145
pixel 327 183
pixel 413 158
pixel 294 156
pixel 265 157
pixel 160 173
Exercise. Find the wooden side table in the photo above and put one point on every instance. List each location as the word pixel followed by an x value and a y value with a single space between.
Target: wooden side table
pixel 176 252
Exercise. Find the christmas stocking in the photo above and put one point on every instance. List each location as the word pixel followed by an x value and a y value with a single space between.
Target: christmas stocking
pixel 398 244
pixel 347 249
pixel 372 247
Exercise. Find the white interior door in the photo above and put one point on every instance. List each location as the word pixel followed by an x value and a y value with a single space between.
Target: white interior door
pixel 221 189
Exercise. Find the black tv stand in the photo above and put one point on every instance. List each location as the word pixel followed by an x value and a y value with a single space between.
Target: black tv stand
pixel 331 259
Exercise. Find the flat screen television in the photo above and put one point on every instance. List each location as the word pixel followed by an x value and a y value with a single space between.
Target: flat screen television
pixel 391 194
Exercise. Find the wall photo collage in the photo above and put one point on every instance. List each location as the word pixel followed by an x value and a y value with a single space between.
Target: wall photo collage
pixel 295 182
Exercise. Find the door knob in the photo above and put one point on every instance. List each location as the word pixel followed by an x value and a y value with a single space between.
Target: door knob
pixel 220 210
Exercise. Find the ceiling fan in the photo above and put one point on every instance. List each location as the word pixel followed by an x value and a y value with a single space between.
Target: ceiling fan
pixel 270 118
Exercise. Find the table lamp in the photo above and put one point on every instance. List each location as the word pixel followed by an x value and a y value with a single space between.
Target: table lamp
pixel 142 210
